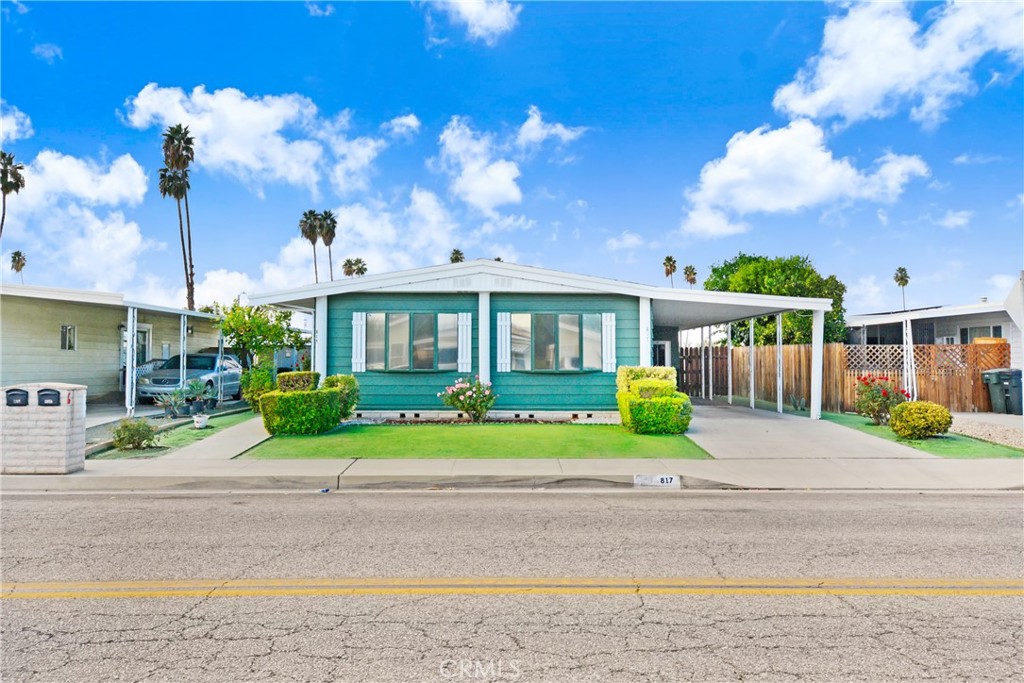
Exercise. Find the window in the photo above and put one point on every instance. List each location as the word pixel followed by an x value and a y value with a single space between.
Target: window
pixel 400 342
pixel 68 339
pixel 555 341
pixel 969 334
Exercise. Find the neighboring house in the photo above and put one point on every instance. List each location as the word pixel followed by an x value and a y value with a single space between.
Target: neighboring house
pixel 547 340
pixel 81 337
pixel 948 324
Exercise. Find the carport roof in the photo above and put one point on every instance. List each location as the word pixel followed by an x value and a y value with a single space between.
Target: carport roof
pixel 682 308
pixel 95 298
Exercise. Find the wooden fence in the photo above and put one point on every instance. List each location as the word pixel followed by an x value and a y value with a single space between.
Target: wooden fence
pixel 948 374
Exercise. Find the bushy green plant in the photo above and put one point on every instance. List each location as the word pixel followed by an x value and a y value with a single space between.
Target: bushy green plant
pixel 876 397
pixel 469 396
pixel 653 388
pixel 349 388
pixel 256 381
pixel 660 415
pixel 627 374
pixel 300 412
pixel 920 420
pixel 298 381
pixel 134 434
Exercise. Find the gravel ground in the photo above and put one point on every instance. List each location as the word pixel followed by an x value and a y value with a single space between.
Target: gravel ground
pixel 988 431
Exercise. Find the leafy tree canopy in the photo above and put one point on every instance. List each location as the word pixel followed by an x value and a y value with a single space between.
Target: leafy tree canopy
pixel 782 276
pixel 257 331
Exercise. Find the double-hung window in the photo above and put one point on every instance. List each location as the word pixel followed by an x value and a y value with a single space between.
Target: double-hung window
pixel 403 342
pixel 557 342
pixel 969 334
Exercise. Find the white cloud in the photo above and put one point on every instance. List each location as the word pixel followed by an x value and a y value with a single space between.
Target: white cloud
pixel 485 20
pixel 955 219
pixel 315 10
pixel 509 223
pixel 972 159
pixel 58 177
pixel 430 230
pixel 578 208
pixel 14 124
pixel 865 295
pixel 875 59
pixel 627 240
pixel 48 52
pixel 534 131
pixel 353 157
pixel 883 216
pixel 478 178
pixel 786 170
pixel 1000 285
pixel 402 126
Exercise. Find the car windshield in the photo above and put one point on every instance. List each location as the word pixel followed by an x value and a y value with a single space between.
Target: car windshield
pixel 191 363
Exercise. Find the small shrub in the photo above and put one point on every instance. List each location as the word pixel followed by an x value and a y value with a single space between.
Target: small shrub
pixel 300 412
pixel 653 388
pixel 134 434
pixel 349 388
pixel 876 397
pixel 298 381
pixel 920 420
pixel 660 415
pixel 627 374
pixel 256 381
pixel 472 397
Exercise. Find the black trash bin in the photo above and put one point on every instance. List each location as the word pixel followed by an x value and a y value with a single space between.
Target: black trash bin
pixel 996 391
pixel 1012 388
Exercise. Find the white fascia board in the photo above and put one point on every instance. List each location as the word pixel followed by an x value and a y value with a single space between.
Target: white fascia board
pixel 68 295
pixel 925 314
pixel 175 311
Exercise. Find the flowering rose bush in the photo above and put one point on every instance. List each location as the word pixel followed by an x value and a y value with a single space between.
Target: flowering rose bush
pixel 472 397
pixel 877 396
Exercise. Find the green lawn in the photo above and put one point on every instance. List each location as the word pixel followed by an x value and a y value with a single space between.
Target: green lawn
pixel 478 441
pixel 178 437
pixel 948 446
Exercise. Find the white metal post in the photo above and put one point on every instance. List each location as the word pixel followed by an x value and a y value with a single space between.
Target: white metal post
pixel 909 364
pixel 483 326
pixel 817 361
pixel 320 336
pixel 750 343
pixel 711 367
pixel 220 365
pixel 130 361
pixel 703 383
pixel 182 350
pixel 778 362
pixel 646 334
pixel 728 363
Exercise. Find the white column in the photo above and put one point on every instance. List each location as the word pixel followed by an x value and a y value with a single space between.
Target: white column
pixel 728 364
pixel 484 336
pixel 750 344
pixel 778 362
pixel 711 367
pixel 646 334
pixel 320 336
pixel 703 382
pixel 130 361
pixel 817 361
pixel 182 350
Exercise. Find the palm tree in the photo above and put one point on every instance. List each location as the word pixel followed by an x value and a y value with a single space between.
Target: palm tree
pixel 179 153
pixel 497 258
pixel 902 278
pixel 11 180
pixel 328 229
pixel 456 256
pixel 348 268
pixel 690 274
pixel 174 184
pixel 18 263
pixel 670 269
pixel 309 226
pixel 358 267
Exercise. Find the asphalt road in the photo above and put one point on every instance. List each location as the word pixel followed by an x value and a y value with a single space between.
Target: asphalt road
pixel 491 586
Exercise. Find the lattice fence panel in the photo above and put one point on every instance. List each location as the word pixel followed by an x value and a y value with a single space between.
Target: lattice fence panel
pixel 990 356
pixel 874 357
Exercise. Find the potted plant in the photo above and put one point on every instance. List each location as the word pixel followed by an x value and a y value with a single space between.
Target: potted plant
pixel 195 392
pixel 210 397
pixel 172 403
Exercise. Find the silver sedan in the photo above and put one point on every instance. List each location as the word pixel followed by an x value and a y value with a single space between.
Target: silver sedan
pixel 201 366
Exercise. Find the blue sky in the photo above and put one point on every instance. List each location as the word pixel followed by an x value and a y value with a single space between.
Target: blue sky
pixel 589 137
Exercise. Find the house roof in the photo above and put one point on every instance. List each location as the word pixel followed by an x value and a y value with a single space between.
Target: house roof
pixel 684 308
pixel 95 298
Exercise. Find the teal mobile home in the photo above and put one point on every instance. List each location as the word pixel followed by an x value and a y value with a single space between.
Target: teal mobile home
pixel 548 341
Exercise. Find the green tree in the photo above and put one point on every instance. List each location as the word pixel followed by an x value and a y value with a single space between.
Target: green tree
pixel 348 268
pixel 902 278
pixel 179 153
pixel 257 331
pixel 358 267
pixel 670 269
pixel 175 184
pixel 11 180
pixel 783 276
pixel 309 227
pixel 328 229
pixel 456 256
pixel 690 274
pixel 18 264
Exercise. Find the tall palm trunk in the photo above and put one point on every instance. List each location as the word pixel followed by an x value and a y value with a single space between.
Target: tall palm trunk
pixel 190 283
pixel 316 275
pixel 671 280
pixel 3 216
pixel 330 260
pixel 184 257
pixel 903 291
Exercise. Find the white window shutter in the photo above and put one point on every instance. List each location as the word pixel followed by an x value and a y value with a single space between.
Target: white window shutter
pixel 465 342
pixel 504 359
pixel 607 342
pixel 358 342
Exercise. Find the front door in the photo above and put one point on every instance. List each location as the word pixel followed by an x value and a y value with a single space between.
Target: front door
pixel 661 354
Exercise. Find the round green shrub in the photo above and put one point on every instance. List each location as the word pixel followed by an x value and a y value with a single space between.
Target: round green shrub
pixel 301 412
pixel 920 420
pixel 349 388
pixel 256 381
pixel 298 381
pixel 134 434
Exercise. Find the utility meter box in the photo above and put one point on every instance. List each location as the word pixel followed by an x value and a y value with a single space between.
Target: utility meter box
pixel 42 428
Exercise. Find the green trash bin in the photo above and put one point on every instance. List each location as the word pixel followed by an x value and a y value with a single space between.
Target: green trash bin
pixel 994 380
pixel 1012 387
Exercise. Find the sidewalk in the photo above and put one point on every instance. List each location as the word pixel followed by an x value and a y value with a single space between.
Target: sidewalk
pixel 755 449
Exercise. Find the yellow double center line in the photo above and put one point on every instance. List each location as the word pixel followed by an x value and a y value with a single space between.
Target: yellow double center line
pixel 386 586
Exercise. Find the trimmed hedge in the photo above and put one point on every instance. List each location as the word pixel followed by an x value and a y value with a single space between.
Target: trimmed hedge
pixel 652 388
pixel 627 374
pixel 298 381
pixel 257 381
pixel 349 387
pixel 301 412
pixel 920 420
pixel 661 415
